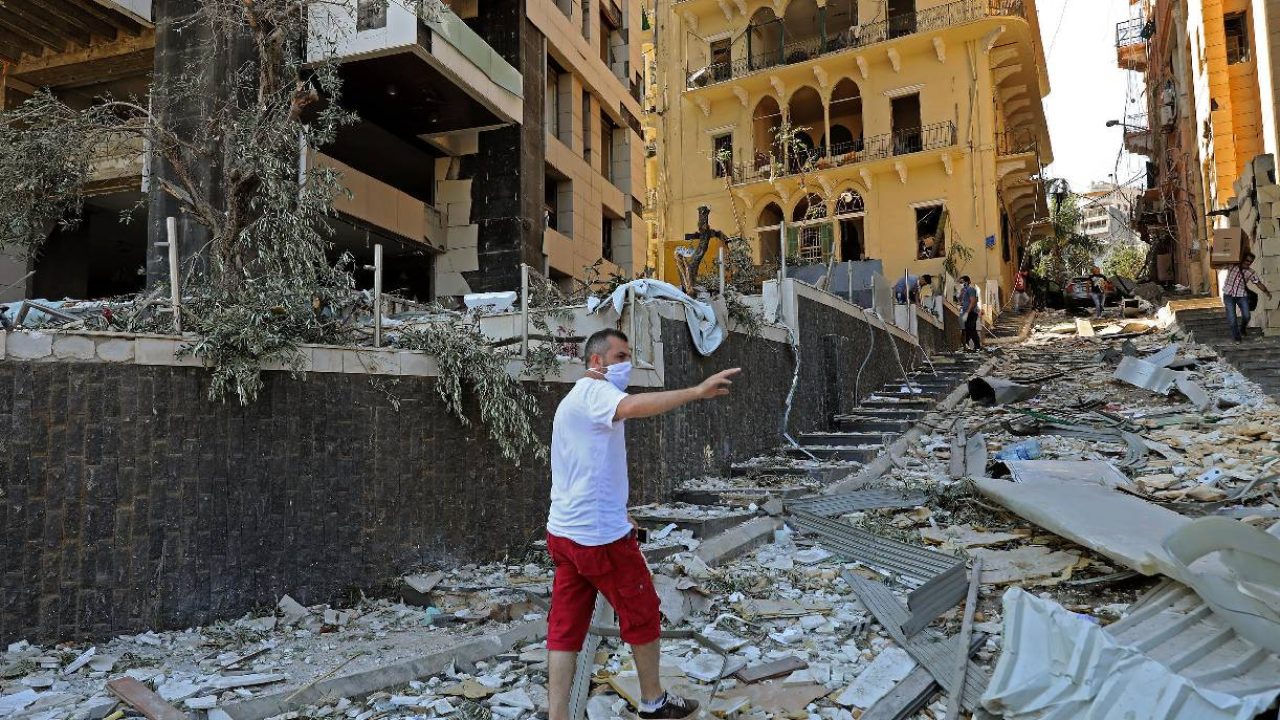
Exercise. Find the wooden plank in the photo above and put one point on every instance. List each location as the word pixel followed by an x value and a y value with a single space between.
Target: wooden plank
pixel 769 670
pixel 141 698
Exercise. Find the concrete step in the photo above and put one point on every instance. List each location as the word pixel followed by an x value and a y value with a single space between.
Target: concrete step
pixel 833 452
pixel 886 401
pixel 842 438
pixel 736 496
pixel 872 426
pixel 883 414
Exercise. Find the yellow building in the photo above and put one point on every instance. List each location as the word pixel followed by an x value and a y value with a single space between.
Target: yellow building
pixel 914 128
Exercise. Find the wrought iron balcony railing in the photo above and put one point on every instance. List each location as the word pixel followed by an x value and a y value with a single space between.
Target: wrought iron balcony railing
pixel 839 39
pixel 1129 32
pixel 1016 142
pixel 876 147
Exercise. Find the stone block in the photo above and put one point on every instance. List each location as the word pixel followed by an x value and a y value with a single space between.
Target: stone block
pixel 73 347
pixel 466 236
pixel 449 283
pixel 458 214
pixel 371 362
pixel 115 350
pixel 155 351
pixel 326 360
pixel 417 363
pixel 451 191
pixel 27 345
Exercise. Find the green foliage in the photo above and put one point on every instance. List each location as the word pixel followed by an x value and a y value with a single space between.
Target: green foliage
pixel 45 152
pixel 1128 261
pixel 958 257
pixel 1062 250
pixel 465 358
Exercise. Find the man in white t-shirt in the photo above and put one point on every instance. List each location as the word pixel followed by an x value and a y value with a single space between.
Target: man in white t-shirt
pixel 591 537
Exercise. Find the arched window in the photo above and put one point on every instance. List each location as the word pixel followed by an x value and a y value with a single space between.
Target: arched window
pixel 764 39
pixel 846 114
pixel 810 239
pixel 808 125
pixel 766 119
pixel 768 227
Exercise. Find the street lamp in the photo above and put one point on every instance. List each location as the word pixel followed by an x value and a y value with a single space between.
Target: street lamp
pixel 1135 128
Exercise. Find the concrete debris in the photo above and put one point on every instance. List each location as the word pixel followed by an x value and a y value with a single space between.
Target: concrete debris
pixel 1030 565
pixel 965 535
pixel 1057 664
pixel 888 669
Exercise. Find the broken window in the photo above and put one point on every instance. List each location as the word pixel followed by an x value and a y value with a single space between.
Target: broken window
pixel 930 241
pixel 721 57
pixel 607 132
pixel 370 15
pixel 606 238
pixel 722 154
pixel 586 126
pixel 1236 28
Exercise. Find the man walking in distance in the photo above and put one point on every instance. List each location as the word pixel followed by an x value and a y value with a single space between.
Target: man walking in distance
pixel 969 313
pixel 590 536
pixel 1235 295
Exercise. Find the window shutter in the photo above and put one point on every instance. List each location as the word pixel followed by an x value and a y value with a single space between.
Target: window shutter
pixel 793 242
pixel 826 234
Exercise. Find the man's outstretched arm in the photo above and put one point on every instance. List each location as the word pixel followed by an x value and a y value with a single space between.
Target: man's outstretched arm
pixel 655 403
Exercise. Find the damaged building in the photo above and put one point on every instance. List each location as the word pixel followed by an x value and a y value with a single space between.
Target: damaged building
pixel 486 140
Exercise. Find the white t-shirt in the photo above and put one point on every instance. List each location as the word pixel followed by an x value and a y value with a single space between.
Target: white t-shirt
pixel 589 466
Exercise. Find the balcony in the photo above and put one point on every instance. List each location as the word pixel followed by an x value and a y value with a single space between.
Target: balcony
pixel 1018 141
pixel 833 40
pixel 1131 43
pixel 1137 135
pixel 861 150
pixel 421 75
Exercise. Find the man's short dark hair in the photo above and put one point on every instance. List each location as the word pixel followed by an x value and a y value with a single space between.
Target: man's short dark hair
pixel 964 278
pixel 1247 257
pixel 598 343
pixel 926 279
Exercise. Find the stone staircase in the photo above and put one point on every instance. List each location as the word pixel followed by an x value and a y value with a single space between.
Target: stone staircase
pixel 1257 357
pixel 862 434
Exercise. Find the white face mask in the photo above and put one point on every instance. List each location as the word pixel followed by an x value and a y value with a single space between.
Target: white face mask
pixel 619 374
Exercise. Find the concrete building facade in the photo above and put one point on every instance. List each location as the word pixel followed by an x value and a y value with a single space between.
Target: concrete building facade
pixel 485 140
pixel 914 126
pixel 1210 72
pixel 1105 212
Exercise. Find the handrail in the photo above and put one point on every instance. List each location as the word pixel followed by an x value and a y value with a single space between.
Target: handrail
pixel 1016 142
pixel 839 39
pixel 1129 32
pixel 876 147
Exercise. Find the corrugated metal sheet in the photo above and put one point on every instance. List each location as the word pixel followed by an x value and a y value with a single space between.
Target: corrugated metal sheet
pixel 936 653
pixel 937 579
pixel 1174 627
pixel 845 503
pixel 1058 665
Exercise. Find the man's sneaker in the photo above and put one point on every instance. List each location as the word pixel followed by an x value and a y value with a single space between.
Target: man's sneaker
pixel 675 708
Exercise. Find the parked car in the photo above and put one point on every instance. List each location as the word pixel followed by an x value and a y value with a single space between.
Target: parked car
pixel 1078 293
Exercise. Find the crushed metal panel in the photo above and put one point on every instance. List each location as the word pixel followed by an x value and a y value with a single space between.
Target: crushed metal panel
pixel 1056 664
pixel 845 503
pixel 1164 356
pixel 1236 569
pixel 912 694
pixel 1194 392
pixel 936 653
pixel 935 597
pixel 1100 471
pixel 1174 627
pixel 1125 528
pixel 1145 375
pixel 987 390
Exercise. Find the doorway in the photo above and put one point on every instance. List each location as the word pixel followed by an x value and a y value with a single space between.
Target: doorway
pixel 906 124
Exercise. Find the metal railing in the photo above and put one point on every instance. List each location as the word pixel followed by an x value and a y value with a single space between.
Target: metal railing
pixel 1016 142
pixel 839 39
pixel 1129 32
pixel 876 147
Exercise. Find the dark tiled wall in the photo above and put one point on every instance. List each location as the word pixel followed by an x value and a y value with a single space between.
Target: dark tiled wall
pixel 130 501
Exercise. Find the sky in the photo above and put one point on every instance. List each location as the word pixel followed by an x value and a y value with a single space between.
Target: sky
pixel 1087 89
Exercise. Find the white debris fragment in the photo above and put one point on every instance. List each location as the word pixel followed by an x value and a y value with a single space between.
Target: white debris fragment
pixel 888 669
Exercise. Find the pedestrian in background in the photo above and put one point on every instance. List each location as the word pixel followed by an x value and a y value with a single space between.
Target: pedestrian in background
pixel 591 537
pixel 1097 290
pixel 969 313
pixel 908 288
pixel 1020 296
pixel 1235 295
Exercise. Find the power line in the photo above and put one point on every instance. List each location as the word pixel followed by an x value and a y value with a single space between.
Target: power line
pixel 1054 41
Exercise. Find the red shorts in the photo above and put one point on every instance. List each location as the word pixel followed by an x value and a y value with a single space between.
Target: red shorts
pixel 619 572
